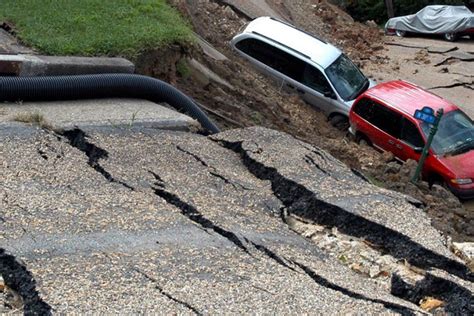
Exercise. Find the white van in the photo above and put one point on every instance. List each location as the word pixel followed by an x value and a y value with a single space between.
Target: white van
pixel 318 71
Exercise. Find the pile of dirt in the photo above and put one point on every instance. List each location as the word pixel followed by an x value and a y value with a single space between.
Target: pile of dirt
pixel 328 21
pixel 445 210
pixel 243 97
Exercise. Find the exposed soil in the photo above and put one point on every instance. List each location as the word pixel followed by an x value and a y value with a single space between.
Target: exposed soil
pixel 250 98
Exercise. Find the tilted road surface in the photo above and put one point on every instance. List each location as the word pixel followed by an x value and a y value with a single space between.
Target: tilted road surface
pixel 171 222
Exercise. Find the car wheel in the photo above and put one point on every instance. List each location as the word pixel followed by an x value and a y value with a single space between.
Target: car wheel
pixel 400 33
pixel 340 122
pixel 438 180
pixel 362 140
pixel 450 36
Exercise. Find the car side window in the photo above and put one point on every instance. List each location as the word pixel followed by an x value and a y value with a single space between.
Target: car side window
pixel 314 79
pixel 411 134
pixel 285 63
pixel 387 120
pixel 273 57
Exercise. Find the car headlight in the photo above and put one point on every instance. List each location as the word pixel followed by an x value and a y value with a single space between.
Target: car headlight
pixel 461 181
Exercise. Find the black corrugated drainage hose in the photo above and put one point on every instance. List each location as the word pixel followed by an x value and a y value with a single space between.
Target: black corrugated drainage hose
pixel 55 88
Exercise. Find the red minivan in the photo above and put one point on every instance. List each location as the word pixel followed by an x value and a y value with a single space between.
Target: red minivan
pixel 383 117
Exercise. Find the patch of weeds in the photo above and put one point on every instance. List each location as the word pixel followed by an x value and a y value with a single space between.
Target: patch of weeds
pixel 132 120
pixel 257 118
pixel 374 181
pixel 183 69
pixel 33 118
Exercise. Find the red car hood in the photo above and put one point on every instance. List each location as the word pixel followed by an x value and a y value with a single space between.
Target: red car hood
pixel 462 165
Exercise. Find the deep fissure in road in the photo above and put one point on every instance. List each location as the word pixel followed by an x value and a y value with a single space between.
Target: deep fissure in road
pixel 296 197
pixel 19 279
pixel 214 172
pixel 193 214
pixel 164 293
pixel 270 254
pixel 458 300
pixel 324 282
pixel 77 138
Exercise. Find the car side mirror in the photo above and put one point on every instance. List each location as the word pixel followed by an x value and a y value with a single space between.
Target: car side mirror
pixel 329 94
pixel 418 150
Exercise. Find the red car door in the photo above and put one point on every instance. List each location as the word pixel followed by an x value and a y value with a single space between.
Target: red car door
pixel 411 142
pixel 386 128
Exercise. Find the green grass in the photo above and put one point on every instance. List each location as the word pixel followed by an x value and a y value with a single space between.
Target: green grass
pixel 95 27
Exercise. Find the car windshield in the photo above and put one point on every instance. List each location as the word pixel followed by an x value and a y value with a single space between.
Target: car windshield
pixel 347 78
pixel 455 134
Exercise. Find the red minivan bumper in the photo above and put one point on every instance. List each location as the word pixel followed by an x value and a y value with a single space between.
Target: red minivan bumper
pixel 463 192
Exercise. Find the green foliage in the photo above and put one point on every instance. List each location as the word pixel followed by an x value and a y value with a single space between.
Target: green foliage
pixel 95 27
pixel 363 10
pixel 183 69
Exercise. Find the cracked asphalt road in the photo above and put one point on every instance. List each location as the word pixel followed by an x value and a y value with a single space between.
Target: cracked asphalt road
pixel 172 222
pixel 444 68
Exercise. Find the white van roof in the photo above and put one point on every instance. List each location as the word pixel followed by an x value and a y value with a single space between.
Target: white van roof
pixel 317 50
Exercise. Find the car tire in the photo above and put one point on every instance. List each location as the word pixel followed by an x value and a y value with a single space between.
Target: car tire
pixel 438 180
pixel 362 140
pixel 400 33
pixel 339 121
pixel 451 37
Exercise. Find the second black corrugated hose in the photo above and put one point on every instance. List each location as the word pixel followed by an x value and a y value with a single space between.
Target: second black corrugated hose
pixel 56 88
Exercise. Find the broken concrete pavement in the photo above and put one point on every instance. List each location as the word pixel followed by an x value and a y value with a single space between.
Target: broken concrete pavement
pixel 176 222
pixel 443 67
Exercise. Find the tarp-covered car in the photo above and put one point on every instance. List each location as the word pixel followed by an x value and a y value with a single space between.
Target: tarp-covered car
pixel 449 21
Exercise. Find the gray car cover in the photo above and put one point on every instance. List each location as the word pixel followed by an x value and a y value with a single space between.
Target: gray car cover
pixel 435 19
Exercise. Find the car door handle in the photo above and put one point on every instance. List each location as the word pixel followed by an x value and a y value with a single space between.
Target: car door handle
pixel 399 146
pixel 300 91
pixel 391 142
pixel 290 86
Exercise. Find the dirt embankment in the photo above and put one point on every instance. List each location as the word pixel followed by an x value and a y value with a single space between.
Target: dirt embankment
pixel 236 95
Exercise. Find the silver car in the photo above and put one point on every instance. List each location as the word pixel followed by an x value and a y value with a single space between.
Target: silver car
pixel 300 62
pixel 449 21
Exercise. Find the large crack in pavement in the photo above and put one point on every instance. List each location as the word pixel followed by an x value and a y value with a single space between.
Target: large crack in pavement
pixel 457 299
pixel 193 214
pixel 77 138
pixel 326 283
pixel 212 170
pixel 318 279
pixel 169 296
pixel 293 195
pixel 467 85
pixel 298 199
pixel 18 278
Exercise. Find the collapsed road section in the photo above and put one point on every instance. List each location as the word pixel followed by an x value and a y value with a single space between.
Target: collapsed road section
pixel 213 224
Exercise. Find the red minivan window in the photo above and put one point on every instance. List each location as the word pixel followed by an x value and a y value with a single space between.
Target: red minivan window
pixel 394 132
pixel 411 134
